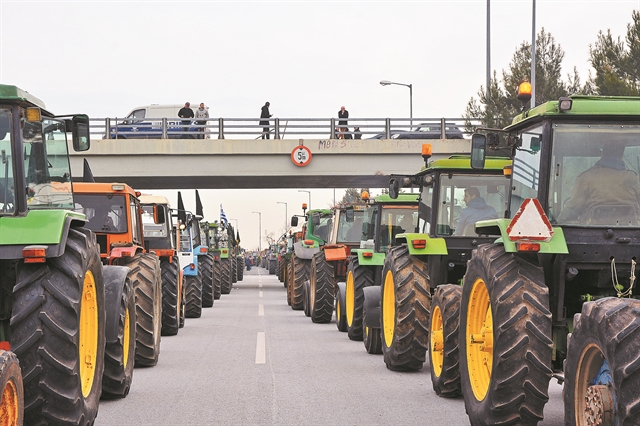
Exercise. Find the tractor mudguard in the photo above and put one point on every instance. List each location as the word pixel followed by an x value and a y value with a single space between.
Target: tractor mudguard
pixel 368 257
pixel 372 306
pixel 557 244
pixel 435 246
pixel 302 252
pixel 114 281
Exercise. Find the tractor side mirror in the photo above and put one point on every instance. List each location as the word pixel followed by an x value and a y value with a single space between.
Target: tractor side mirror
pixel 80 132
pixel 349 214
pixel 158 215
pixel 294 221
pixel 394 188
pixel 478 146
pixel 315 219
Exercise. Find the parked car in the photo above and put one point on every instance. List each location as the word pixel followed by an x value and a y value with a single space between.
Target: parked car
pixel 145 122
pixel 384 135
pixel 430 131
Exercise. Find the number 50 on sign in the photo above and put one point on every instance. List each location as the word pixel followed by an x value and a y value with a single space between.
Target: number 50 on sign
pixel 301 155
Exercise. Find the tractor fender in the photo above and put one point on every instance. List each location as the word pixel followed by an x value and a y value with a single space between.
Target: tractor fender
pixel 304 252
pixel 115 278
pixel 372 306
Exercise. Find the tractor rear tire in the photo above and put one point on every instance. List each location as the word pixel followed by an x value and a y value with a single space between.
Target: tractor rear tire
pixel 288 283
pixel 405 307
pixel 205 264
pixel 217 276
pixel 505 303
pixel 193 302
pixel 608 332
pixel 11 386
pixel 273 266
pixel 358 277
pixel 183 301
pixel 240 268
pixel 306 305
pixel 321 289
pixel 444 355
pixel 145 276
pixel 58 333
pixel 281 266
pixel 233 272
pixel 341 317
pixel 119 355
pixel 225 276
pixel 170 296
pixel 300 275
pixel 371 336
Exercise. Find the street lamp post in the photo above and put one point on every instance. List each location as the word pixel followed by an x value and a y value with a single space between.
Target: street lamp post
pixel 259 231
pixel 410 86
pixel 286 215
pixel 309 192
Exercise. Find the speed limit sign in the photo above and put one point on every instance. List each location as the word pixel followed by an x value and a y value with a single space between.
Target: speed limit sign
pixel 301 155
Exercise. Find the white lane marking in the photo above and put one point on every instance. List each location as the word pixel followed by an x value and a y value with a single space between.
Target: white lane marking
pixel 260 294
pixel 261 353
pixel 261 310
pixel 260 285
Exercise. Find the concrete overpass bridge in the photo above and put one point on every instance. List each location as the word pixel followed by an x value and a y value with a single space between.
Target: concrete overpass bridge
pixel 250 163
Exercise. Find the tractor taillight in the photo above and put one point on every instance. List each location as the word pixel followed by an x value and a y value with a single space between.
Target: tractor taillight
pixel 34 254
pixel 203 249
pixel 419 244
pixel 367 254
pixel 5 346
pixel 192 266
pixel 527 246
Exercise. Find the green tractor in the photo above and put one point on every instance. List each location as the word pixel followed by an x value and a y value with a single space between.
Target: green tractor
pixel 54 314
pixel 315 233
pixel 223 245
pixel 555 294
pixel 453 197
pixel 384 219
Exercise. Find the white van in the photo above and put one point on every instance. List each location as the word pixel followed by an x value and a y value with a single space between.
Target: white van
pixel 145 122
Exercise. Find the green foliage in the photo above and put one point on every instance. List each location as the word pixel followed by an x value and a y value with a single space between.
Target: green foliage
pixel 496 107
pixel 617 63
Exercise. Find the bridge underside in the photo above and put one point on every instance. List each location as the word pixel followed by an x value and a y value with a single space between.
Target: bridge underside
pixel 249 164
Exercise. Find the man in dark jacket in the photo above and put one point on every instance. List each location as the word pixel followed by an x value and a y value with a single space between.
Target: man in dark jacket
pixel 185 112
pixel 342 124
pixel 265 114
pixel 477 209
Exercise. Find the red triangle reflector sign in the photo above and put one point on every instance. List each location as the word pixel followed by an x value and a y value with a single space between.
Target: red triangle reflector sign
pixel 530 223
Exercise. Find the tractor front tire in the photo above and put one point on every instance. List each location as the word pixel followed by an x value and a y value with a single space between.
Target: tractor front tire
pixel 306 305
pixel 11 386
pixel 193 302
pixel 404 310
pixel 444 355
pixel 58 333
pixel 602 364
pixel 205 264
pixel 170 296
pixel 505 339
pixel 341 316
pixel 358 277
pixel 322 283
pixel 225 276
pixel 371 336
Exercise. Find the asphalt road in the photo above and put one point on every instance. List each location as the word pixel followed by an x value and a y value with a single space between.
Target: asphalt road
pixel 251 360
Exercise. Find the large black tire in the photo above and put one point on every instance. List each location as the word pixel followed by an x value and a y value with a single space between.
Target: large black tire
pixel 281 268
pixel 225 276
pixel 240 268
pixel 58 333
pixel 217 271
pixel 273 266
pixel 358 277
pixel 288 283
pixel 119 356
pixel 183 299
pixel 233 272
pixel 371 336
pixel 322 283
pixel 300 275
pixel 145 275
pixel 205 264
pixel 607 331
pixel 193 302
pixel 12 390
pixel 444 356
pixel 405 309
pixel 506 383
pixel 171 298
pixel 306 305
pixel 341 316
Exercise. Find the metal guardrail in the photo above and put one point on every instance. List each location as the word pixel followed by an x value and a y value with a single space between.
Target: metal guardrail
pixel 280 128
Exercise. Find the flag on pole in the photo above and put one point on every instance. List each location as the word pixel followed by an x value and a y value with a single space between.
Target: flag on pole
pixel 238 237
pixel 223 217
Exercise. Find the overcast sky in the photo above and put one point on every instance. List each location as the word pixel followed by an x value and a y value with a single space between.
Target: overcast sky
pixel 307 59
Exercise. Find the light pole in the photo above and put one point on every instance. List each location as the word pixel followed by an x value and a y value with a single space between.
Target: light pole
pixel 286 215
pixel 309 192
pixel 259 231
pixel 410 86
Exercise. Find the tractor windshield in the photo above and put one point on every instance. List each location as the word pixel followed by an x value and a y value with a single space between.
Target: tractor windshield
pixel 106 214
pixel 185 240
pixel 465 199
pixel 594 175
pixel 6 174
pixel 396 220
pixel 47 165
pixel 323 229
pixel 350 232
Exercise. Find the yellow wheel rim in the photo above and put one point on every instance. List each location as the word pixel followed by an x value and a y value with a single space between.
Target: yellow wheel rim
pixel 437 341
pixel 127 340
pixel 338 311
pixel 10 409
pixel 389 309
pixel 350 298
pixel 88 344
pixel 479 339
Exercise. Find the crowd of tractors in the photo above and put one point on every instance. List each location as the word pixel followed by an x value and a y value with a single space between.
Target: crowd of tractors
pixel 92 274
pixel 503 268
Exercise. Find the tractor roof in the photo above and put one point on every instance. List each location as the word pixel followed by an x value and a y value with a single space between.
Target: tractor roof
pixel 402 198
pixel 583 106
pixel 463 162
pixel 102 188
pixel 15 94
pixel 153 199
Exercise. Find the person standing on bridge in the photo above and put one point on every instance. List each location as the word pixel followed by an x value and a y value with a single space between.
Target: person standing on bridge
pixel 342 124
pixel 185 112
pixel 265 114
pixel 202 112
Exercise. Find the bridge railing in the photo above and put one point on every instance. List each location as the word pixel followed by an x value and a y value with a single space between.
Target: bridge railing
pixel 282 128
